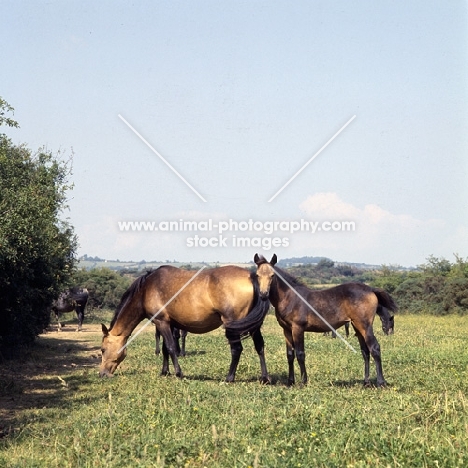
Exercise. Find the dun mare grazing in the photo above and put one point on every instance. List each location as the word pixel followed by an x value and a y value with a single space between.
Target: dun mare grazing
pixel 197 302
pixel 73 299
pixel 351 302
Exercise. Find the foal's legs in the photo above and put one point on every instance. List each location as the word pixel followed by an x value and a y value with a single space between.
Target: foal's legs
pixel 289 355
pixel 298 340
pixel 374 349
pixel 366 356
pixel 260 348
pixel 370 347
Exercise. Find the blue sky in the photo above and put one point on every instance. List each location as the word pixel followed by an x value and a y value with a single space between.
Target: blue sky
pixel 238 96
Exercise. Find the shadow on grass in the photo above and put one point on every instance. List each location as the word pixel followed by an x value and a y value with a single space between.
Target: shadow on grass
pixel 46 375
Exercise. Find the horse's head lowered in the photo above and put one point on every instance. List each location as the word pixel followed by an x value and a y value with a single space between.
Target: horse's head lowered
pixel 113 351
pixel 265 274
pixel 388 326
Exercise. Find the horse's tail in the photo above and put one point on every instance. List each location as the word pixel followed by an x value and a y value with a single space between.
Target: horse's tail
pixel 385 300
pixel 254 319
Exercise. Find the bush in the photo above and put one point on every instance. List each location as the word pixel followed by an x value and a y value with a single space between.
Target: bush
pixel 438 289
pixel 36 248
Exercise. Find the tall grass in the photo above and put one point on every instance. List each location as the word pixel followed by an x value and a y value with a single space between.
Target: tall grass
pixel 140 419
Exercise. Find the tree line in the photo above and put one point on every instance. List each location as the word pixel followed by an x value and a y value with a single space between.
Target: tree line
pixel 437 287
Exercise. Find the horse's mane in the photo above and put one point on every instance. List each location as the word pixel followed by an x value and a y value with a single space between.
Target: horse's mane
pixel 129 294
pixel 293 281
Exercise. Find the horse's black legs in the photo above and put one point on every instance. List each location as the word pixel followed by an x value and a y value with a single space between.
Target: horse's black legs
pixel 366 356
pixel 80 315
pixel 157 337
pixel 59 325
pixel 259 344
pixel 183 335
pixel 374 349
pixel 169 349
pixel 165 366
pixel 289 355
pixel 298 340
pixel 370 347
pixel 236 351
pixel 177 334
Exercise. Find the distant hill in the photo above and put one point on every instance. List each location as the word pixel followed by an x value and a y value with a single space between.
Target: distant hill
pixel 295 261
pixel 89 263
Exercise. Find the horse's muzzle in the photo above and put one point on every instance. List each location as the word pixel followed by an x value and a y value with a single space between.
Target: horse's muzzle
pixel 105 373
pixel 263 296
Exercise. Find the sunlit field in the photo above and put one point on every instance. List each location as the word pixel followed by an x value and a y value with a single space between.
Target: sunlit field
pixel 56 411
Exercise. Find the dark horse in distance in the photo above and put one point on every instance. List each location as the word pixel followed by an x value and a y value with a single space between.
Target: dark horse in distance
pixel 297 308
pixel 197 302
pixel 72 299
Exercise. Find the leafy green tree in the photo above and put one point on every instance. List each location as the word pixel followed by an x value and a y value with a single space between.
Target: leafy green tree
pixel 4 108
pixel 388 278
pixel 37 248
pixel 439 288
pixel 105 287
pixel 436 266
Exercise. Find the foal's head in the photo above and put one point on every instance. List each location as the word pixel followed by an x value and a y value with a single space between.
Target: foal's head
pixel 265 274
pixel 113 351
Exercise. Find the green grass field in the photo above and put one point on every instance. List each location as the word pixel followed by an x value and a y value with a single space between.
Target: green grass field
pixel 56 412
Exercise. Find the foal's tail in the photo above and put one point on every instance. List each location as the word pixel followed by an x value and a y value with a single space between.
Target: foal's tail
pixel 385 300
pixel 254 319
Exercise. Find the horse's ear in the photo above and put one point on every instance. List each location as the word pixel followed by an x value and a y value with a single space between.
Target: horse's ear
pixel 273 260
pixel 105 331
pixel 259 259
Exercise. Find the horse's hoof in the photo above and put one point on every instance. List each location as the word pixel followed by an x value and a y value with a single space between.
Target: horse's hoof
pixel 180 375
pixel 382 384
pixel 265 380
pixel 229 379
pixel 165 373
pixel 291 383
pixel 367 385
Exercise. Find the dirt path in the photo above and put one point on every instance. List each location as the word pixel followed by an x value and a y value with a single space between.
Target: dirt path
pixel 47 372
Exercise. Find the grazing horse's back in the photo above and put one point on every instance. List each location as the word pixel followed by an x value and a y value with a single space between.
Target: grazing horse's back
pixel 196 307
